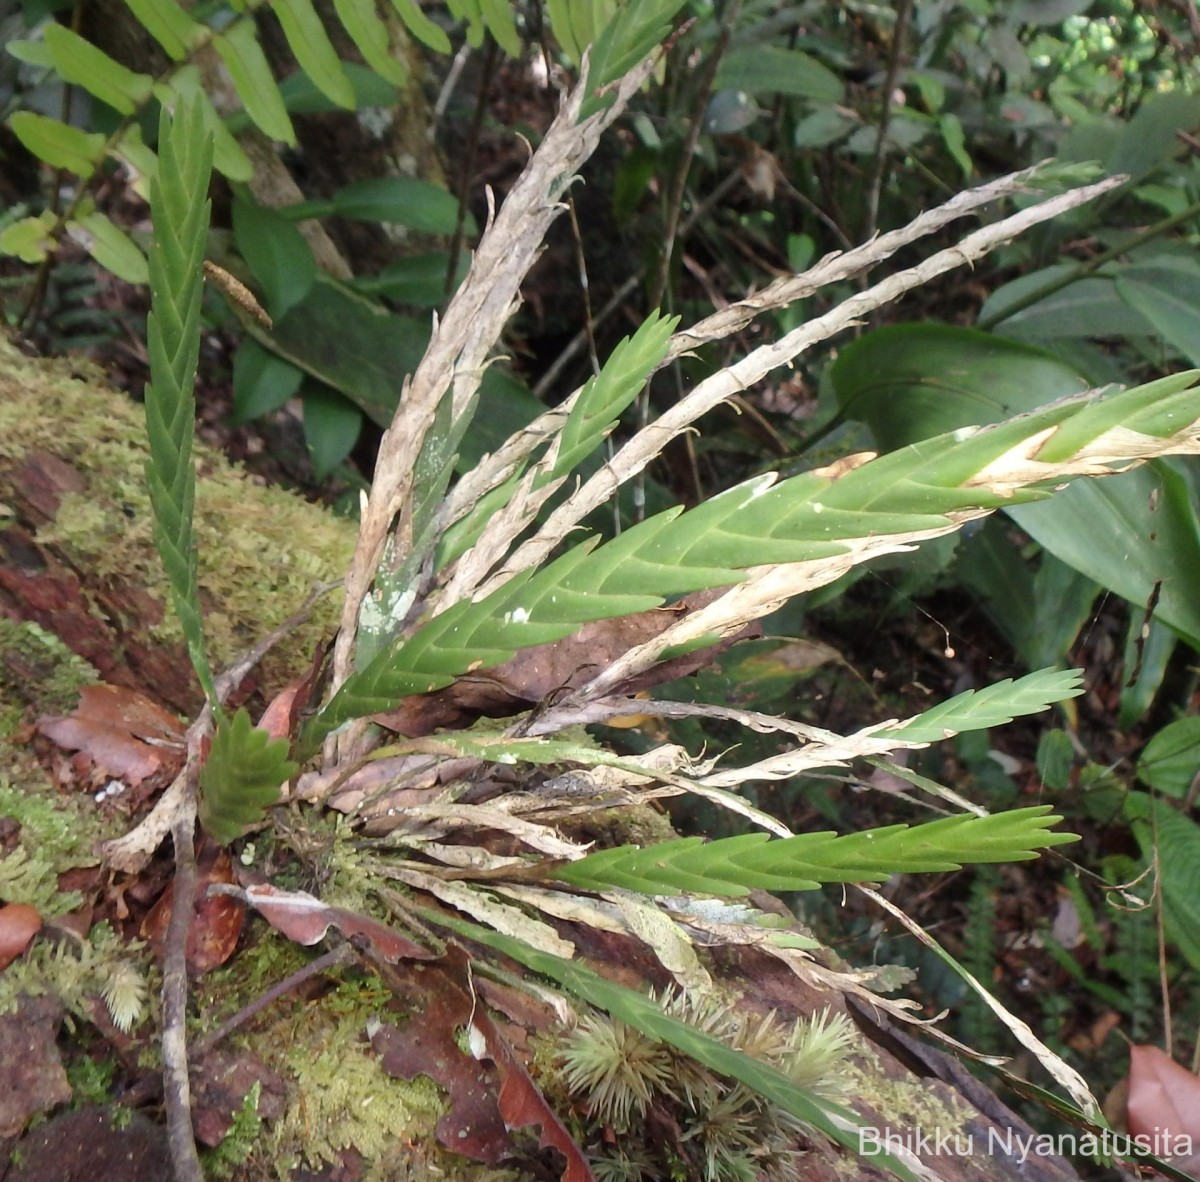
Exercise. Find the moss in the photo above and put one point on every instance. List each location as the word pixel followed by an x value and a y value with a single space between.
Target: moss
pixel 258 554
pixel 38 674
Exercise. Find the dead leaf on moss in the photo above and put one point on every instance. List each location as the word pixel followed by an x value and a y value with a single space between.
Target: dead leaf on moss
pixel 305 919
pixel 121 731
pixel 217 920
pixel 19 923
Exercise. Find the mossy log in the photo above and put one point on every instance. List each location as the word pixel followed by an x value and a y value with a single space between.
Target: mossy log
pixel 77 563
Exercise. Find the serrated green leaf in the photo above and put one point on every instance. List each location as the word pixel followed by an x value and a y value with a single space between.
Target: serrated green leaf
pixel 314 51
pixel 185 85
pixel 252 78
pixel 736 865
pixel 110 247
pixel 370 34
pixel 57 144
pixel 81 63
pixel 1170 762
pixel 647 1015
pixel 29 239
pixel 431 35
pixel 169 25
pixel 179 210
pixel 245 771
pixel 618 383
pixel 976 710
pixel 773 69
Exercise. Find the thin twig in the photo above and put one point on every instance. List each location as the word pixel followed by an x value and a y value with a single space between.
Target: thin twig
pixel 878 161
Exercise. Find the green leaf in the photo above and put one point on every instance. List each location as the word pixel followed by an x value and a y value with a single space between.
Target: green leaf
pixel 772 69
pixel 58 145
pixel 402 201
pixel 913 381
pixel 301 97
pixel 169 25
pixel 252 78
pixel 498 19
pixel 605 396
pixel 736 865
pixel 1170 762
pixel 277 253
pixel 245 771
pixel 1175 839
pixel 419 279
pixel 976 710
pixel 645 1014
pixel 29 238
pixel 331 427
pixel 110 247
pixel 955 140
pixel 179 209
pixel 1167 295
pixel 262 382
pixel 308 40
pixel 81 63
pixel 1151 137
pixel 431 35
pixel 370 34
pixel 1089 307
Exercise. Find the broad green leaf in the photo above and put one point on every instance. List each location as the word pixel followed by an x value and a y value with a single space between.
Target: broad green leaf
pixel 29 238
pixel 242 778
pixel 228 157
pixel 331 427
pixel 431 35
pixel 1127 533
pixel 346 341
pixel 913 381
pixel 138 159
pixel 955 140
pixel 308 40
pixel 169 25
pixel 1170 762
pixel 402 201
pixel 57 144
pixel 252 78
pixel 419 279
pixel 605 396
pixel 1167 297
pixel 647 1015
pixel 301 97
pixel 1151 137
pixel 469 12
pixel 1148 652
pixel 1175 839
pixel 277 253
pixel 262 382
pixel 81 63
pixel 975 710
pixel 110 247
pixel 370 34
pixel 179 210
pixel 1089 307
pixel 736 865
pixel 772 69
pixel 32 53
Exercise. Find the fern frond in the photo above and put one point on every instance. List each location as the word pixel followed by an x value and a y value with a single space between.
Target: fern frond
pixel 179 208
pixel 245 770
pixel 307 39
pixel 735 865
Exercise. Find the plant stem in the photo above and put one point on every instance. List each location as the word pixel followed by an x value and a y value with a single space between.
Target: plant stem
pixel 885 116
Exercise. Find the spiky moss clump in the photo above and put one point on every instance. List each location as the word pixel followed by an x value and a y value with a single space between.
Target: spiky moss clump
pixel 634 1088
pixel 260 548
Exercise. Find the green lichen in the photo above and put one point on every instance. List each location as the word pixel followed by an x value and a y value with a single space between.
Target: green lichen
pixel 259 551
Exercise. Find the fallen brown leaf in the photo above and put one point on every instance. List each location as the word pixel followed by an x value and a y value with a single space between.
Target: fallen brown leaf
pixel 1163 1104
pixel 19 923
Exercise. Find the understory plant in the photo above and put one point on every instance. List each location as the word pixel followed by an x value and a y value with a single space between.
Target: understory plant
pixel 484 628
